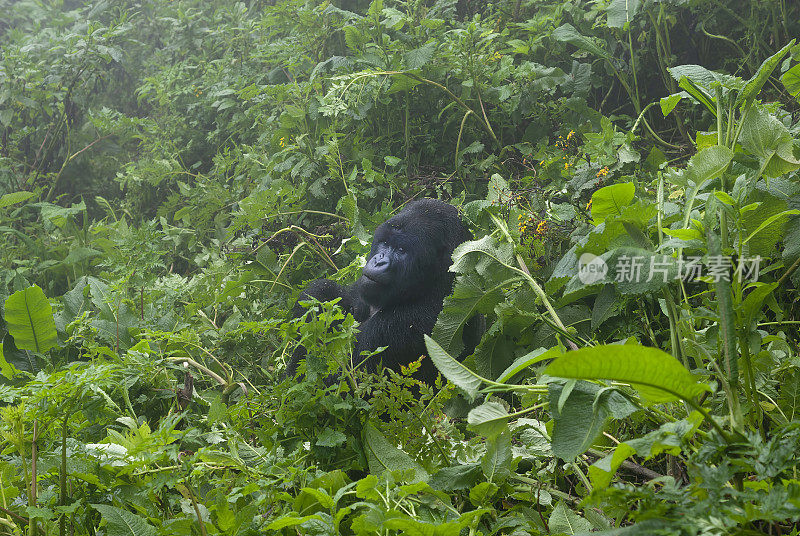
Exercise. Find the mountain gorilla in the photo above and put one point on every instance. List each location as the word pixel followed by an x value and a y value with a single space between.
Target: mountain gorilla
pixel 403 284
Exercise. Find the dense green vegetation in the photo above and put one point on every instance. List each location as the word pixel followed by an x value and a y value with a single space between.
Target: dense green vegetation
pixel 172 172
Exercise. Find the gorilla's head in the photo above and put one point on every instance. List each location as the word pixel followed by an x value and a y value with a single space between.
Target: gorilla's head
pixel 411 254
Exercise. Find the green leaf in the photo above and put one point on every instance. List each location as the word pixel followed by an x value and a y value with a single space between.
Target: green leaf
pixel 124 523
pixel 758 80
pixel 568 34
pixel 383 456
pixel 454 371
pixel 669 102
pixel 418 57
pixel 401 82
pixel 15 197
pixel 527 360
pixel 29 318
pixel 610 200
pixel 621 12
pixel 768 139
pixel 657 376
pixel 489 419
pixel 708 164
pixel 696 81
pixel 577 418
pixel 791 81
pixel 469 297
pixel 564 521
pixel 769 221
pixel 495 463
pixel 602 471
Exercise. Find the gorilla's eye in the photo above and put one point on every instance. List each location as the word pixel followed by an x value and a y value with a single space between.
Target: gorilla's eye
pixel 401 250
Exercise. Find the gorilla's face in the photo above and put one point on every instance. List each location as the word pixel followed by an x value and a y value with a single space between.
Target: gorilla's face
pixel 410 254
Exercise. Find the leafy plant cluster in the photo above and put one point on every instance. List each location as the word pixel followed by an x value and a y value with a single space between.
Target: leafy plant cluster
pixel 173 172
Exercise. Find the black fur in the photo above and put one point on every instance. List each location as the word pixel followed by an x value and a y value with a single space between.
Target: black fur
pixel 400 294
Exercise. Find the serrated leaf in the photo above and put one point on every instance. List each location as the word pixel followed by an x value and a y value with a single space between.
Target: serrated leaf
pixel 489 419
pixel 124 523
pixel 469 297
pixel 568 34
pixel 29 318
pixel 564 521
pixel 454 371
pixel 657 376
pixel 708 164
pixel 496 460
pixel 15 197
pixel 383 456
pixel 415 59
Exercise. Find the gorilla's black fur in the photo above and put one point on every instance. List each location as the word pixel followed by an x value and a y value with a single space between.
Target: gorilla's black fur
pixel 404 282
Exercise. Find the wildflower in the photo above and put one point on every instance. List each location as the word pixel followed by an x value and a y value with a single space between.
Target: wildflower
pixel 603 172
pixel 282 141
pixel 589 205
pixel 571 133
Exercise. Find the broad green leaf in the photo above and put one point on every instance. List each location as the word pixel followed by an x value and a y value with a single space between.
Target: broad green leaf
pixel 468 299
pixel 6 369
pixel 768 139
pixel 15 197
pixel 568 34
pixel 769 221
pixel 758 80
pixel 725 198
pixel 290 521
pixel 124 523
pixel 383 456
pixel 669 102
pixel 489 419
pixel 696 81
pixel 527 360
pixel 602 471
pixel 577 418
pixel 564 521
pixel 708 164
pixel 791 81
pixel 29 318
pixel 496 462
pixel 610 200
pixel 751 305
pixel 454 371
pixel 657 376
pixel 621 12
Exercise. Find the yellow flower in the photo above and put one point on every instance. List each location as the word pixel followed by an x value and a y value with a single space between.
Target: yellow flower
pixel 571 133
pixel 589 205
